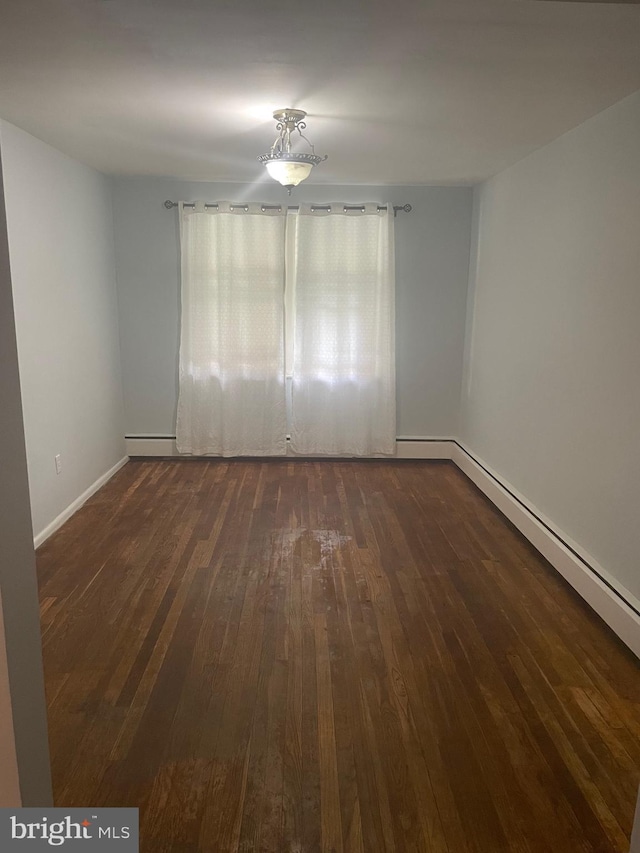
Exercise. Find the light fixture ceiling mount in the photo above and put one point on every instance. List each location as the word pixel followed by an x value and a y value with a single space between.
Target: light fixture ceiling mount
pixel 285 165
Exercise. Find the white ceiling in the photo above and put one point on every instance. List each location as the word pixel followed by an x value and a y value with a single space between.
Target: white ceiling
pixel 397 91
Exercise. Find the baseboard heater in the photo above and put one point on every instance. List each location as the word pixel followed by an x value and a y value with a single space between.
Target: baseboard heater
pixel 407 447
pixel 617 606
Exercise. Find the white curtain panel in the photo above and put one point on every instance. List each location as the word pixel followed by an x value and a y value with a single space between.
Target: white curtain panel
pixel 341 269
pixel 232 390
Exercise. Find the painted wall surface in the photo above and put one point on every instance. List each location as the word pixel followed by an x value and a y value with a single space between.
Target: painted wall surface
pixel 551 398
pixel 60 227
pixel 432 256
pixel 9 783
pixel 24 750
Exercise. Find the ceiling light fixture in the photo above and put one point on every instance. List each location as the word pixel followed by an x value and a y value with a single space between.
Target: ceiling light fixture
pixel 284 165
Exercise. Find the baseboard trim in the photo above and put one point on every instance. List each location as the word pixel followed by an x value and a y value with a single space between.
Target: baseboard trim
pixel 406 448
pixel 614 604
pixel 75 506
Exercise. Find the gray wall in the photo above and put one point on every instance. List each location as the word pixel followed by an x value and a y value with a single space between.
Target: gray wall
pixel 60 226
pixel 432 256
pixel 9 779
pixel 551 397
pixel 23 726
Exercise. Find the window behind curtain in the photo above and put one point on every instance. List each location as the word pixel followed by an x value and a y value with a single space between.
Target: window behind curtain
pixel 341 271
pixel 338 287
pixel 232 398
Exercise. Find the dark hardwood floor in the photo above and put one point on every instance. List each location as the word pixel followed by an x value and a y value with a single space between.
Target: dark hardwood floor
pixel 330 656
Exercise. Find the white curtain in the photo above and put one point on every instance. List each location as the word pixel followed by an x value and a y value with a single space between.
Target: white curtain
pixel 232 389
pixel 341 271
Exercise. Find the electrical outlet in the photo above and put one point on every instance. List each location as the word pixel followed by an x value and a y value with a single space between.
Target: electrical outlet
pixel 58 459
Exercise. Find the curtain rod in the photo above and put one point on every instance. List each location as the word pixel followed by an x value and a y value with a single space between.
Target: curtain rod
pixel 396 207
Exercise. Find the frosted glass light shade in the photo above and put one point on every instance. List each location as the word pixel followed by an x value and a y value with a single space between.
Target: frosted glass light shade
pixel 288 172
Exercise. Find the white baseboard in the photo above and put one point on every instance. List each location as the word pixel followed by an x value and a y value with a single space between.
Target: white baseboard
pixel 414 448
pixel 75 506
pixel 614 604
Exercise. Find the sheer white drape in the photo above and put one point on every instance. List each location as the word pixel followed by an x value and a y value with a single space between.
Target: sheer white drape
pixel 232 390
pixel 341 269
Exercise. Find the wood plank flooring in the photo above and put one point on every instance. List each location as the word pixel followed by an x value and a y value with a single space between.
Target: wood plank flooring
pixel 330 656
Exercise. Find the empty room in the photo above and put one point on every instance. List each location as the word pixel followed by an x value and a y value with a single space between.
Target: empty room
pixel 320 484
